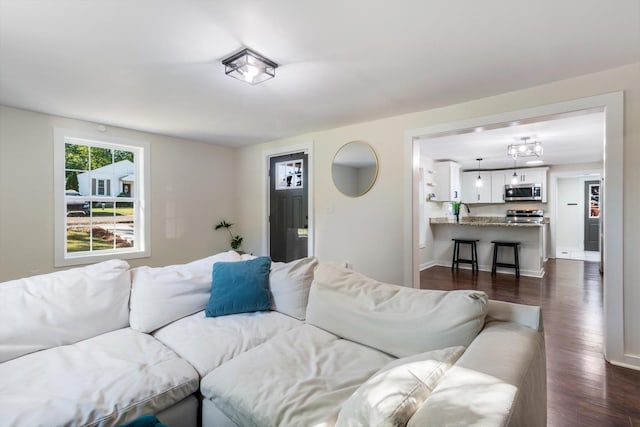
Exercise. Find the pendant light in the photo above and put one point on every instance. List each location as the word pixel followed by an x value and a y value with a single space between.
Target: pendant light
pixel 514 177
pixel 479 178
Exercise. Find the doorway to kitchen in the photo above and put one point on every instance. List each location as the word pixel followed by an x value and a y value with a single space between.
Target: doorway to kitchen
pixel 611 105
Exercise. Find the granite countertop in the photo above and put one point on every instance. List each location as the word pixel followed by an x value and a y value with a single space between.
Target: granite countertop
pixel 484 221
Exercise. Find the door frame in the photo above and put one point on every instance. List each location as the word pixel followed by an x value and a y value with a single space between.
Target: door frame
pixel 612 104
pixel 583 175
pixel 267 154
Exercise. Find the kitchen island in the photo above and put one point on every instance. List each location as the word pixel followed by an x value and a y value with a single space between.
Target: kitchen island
pixel 532 238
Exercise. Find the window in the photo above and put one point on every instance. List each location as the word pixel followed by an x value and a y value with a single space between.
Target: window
pixel 94 220
pixel 101 187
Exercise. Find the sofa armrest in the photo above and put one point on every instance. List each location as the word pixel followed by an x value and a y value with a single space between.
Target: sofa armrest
pixel 499 381
pixel 527 315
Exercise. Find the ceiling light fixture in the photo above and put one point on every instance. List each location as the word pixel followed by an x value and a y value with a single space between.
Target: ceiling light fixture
pixel 525 149
pixel 514 177
pixel 249 66
pixel 479 178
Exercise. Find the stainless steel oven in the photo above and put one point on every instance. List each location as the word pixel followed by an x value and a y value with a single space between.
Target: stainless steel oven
pixel 522 192
pixel 529 216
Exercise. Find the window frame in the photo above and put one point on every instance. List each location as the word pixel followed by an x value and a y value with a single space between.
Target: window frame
pixel 141 191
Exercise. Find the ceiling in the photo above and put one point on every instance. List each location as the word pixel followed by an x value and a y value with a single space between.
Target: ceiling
pixel 154 65
pixel 571 138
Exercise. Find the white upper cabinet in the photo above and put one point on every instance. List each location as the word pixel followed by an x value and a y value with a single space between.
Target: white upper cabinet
pixel 447 181
pixel 492 190
pixel 532 176
pixel 498 180
pixel 471 193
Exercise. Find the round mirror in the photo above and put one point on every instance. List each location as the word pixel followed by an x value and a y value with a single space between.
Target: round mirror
pixel 354 168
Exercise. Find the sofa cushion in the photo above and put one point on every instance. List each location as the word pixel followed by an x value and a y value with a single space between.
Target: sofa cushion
pixel 500 380
pixel 103 381
pixel 289 283
pixel 208 342
pixel 398 320
pixel 239 287
pixel 297 378
pixel 64 307
pixel 164 294
pixel 395 392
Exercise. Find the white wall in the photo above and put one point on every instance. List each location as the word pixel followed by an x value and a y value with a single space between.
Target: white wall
pixel 370 232
pixel 190 192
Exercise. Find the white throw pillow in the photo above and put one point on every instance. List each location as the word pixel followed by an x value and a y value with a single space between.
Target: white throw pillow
pixel 162 295
pixel 394 319
pixel 391 396
pixel 64 307
pixel 289 284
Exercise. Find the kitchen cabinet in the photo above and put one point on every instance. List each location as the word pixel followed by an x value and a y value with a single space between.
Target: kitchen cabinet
pixel 532 176
pixel 498 180
pixel 494 181
pixel 471 193
pixel 447 181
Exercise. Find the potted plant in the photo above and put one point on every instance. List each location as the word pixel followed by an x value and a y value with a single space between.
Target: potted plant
pixel 236 240
pixel 455 208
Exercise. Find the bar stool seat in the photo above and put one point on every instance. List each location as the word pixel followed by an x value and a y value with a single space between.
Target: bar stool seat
pixel 516 261
pixel 474 253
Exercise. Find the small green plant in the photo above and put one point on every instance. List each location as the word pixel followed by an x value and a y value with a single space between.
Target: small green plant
pixel 236 240
pixel 455 208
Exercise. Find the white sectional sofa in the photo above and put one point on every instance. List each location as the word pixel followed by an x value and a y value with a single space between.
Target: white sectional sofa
pixel 104 344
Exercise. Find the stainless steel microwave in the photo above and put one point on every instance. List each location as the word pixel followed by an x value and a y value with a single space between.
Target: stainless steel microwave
pixel 522 192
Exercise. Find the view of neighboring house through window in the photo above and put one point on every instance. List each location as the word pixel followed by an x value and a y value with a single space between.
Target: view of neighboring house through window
pixel 102 214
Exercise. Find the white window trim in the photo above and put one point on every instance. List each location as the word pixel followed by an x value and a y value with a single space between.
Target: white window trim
pixel 142 192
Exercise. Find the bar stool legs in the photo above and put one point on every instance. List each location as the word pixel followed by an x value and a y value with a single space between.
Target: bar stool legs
pixel 455 262
pixel 516 260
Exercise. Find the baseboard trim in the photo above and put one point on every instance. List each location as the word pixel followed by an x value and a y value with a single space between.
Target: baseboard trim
pixel 487 268
pixel 427 265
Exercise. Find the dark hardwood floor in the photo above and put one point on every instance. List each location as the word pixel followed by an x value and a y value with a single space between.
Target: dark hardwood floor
pixel 582 388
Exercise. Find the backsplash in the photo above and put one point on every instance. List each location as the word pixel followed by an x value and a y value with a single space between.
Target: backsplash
pixel 487 209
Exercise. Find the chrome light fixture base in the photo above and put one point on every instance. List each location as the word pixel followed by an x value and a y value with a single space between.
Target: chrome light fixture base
pixel 249 66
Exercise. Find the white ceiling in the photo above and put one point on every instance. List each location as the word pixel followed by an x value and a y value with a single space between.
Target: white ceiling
pixel 568 139
pixel 154 65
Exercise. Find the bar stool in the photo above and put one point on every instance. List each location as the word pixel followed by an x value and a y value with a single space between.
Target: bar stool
pixel 456 253
pixel 503 243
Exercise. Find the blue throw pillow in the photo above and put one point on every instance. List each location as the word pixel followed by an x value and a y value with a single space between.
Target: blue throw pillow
pixel 239 287
pixel 144 421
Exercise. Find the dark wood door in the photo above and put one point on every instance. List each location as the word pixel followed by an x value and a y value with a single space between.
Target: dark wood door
pixel 288 207
pixel 592 215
